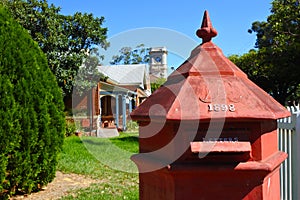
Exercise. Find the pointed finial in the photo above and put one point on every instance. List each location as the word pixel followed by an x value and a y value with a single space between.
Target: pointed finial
pixel 207 31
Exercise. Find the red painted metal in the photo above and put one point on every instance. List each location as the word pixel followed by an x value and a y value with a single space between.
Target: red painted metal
pixel 208 77
pixel 207 31
pixel 220 147
pixel 209 132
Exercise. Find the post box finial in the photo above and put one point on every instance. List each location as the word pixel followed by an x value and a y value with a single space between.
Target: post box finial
pixel 206 32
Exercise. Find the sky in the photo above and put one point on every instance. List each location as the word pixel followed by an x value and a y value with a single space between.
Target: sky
pixel 173 23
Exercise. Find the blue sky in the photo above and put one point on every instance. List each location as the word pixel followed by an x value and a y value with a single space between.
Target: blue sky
pixel 231 18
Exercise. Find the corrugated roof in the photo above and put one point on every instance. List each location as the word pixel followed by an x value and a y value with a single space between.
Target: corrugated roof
pixel 136 74
pixel 113 88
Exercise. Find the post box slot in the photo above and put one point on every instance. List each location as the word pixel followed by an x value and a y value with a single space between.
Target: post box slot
pixel 234 134
pixel 220 147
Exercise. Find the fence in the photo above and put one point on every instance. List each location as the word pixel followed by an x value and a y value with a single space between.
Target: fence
pixel 289 142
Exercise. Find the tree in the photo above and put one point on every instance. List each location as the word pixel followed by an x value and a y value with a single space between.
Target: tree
pixel 138 55
pixel 66 40
pixel 88 75
pixel 157 84
pixel 31 111
pixel 275 65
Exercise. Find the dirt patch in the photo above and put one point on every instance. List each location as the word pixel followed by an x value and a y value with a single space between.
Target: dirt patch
pixel 62 185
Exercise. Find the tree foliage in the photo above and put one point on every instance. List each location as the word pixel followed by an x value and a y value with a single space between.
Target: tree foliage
pixel 66 40
pixel 88 75
pixel 31 111
pixel 157 84
pixel 275 65
pixel 138 55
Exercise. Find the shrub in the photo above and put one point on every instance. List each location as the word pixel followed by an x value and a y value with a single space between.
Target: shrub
pixel 132 126
pixel 70 128
pixel 31 112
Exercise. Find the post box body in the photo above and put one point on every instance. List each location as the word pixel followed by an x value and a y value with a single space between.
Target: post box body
pixel 260 134
pixel 209 132
pixel 211 182
pixel 228 173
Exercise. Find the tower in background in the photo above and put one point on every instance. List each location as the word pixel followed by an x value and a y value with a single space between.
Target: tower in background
pixel 158 62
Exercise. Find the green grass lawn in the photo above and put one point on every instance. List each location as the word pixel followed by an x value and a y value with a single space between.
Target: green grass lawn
pixel 105 159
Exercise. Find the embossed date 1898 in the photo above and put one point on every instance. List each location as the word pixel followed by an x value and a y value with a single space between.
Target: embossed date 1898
pixel 221 107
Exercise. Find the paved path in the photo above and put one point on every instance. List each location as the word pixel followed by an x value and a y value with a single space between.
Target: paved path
pixel 107 132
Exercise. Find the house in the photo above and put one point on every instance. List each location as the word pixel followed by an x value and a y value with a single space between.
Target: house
pixel 126 87
pixel 109 104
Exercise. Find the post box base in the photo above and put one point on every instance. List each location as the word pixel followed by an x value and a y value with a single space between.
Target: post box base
pixel 248 180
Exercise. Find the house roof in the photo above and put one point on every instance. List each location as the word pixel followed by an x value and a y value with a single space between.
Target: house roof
pixel 136 74
pixel 113 88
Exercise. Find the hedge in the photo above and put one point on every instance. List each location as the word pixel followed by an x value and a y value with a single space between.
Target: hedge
pixel 31 112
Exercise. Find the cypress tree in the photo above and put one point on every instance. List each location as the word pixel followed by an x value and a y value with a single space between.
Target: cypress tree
pixel 31 112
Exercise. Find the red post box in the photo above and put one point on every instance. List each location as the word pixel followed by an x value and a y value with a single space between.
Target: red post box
pixel 209 132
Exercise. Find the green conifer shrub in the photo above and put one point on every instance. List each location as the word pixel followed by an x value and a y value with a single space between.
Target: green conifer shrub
pixel 32 122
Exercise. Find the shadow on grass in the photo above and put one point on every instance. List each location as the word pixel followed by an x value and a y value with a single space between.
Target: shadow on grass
pixel 94 141
pixel 126 139
pixel 113 152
